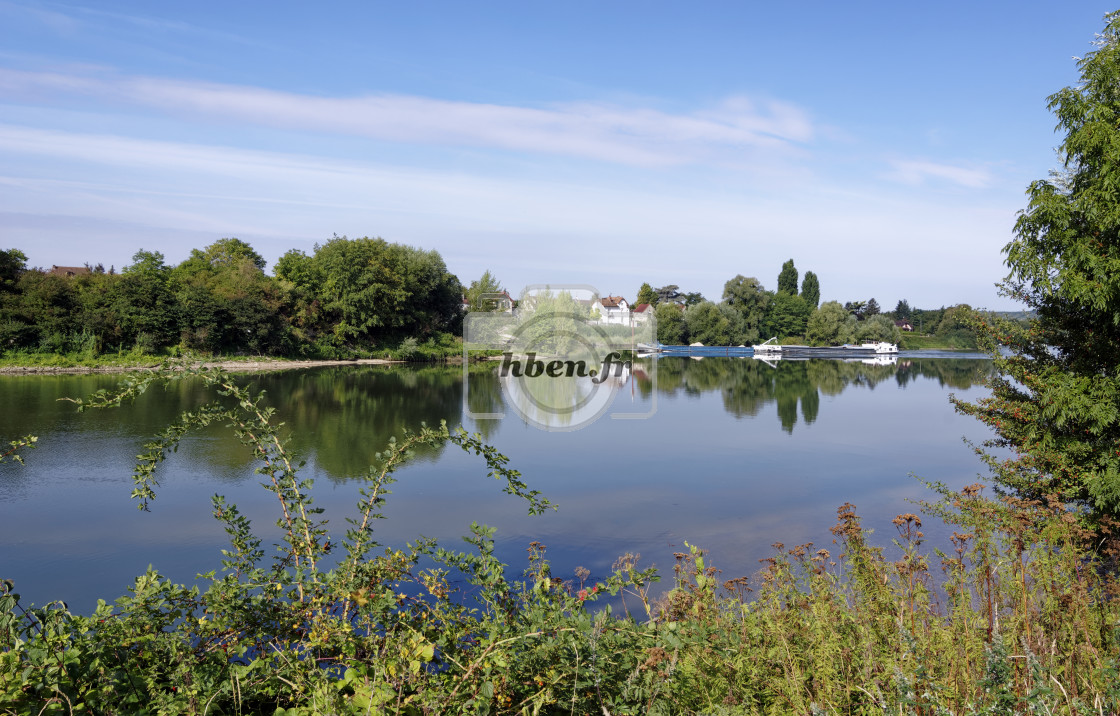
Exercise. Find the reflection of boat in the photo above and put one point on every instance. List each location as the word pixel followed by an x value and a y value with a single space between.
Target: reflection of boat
pixel 880 360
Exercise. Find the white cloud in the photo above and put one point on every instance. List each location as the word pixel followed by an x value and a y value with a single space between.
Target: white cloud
pixel 915 172
pixel 626 135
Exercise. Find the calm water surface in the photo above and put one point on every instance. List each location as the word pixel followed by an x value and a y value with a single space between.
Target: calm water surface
pixel 739 454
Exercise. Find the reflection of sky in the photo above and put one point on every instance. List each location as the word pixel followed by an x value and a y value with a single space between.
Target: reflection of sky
pixel 691 472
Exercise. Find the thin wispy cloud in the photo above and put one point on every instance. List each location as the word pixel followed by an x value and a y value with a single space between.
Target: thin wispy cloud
pixel 67 20
pixel 637 136
pixel 57 22
pixel 919 172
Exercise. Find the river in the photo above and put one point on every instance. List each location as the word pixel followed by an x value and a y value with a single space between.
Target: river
pixel 728 454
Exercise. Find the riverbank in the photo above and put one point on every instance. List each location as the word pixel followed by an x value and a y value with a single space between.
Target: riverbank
pixel 230 364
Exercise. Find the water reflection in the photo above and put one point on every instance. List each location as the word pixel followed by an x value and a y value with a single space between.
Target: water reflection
pixel 340 417
pixel 795 386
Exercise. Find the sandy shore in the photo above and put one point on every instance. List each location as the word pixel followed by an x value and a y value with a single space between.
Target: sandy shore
pixel 230 365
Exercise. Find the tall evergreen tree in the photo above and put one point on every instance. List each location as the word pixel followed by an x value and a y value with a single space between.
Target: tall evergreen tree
pixel 646 294
pixel 787 279
pixel 811 289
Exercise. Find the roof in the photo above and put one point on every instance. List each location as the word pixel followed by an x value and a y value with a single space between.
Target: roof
pixel 612 301
pixel 643 307
pixel 69 270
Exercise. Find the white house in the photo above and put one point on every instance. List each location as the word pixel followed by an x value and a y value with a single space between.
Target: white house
pixel 614 309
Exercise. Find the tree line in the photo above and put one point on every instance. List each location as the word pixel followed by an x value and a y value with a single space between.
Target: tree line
pixel 749 313
pixel 347 297
pixel 356 296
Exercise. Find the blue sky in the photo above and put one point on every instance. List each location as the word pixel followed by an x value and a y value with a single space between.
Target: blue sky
pixel 884 146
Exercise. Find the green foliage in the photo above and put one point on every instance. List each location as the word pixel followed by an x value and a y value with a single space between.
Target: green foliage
pixel 811 289
pixel 484 288
pixel 671 328
pixel 902 310
pixel 713 325
pixel 1056 401
pixel 146 262
pixel 47 304
pixel 787 279
pixel 351 299
pixel 667 293
pixel 142 303
pixel 646 294
pixel 372 289
pixel 878 328
pixel 751 301
pixel 828 325
pixel 227 301
pixel 12 452
pixel 228 253
pixel 955 327
pixel 692 298
pixel 13 262
pixel 788 316
pixel 856 308
pixel 871 309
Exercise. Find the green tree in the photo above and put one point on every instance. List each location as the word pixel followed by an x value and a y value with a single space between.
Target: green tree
pixel 13 262
pixel 871 309
pixel 229 303
pixel 370 290
pixel 667 293
pixel 480 294
pixel 297 267
pixel 956 326
pixel 747 296
pixel 811 289
pixel 787 279
pixel 646 294
pixel 878 328
pixel 229 252
pixel 710 325
pixel 146 307
pixel 48 305
pixel 671 329
pixel 1055 400
pixel 830 324
pixel 299 278
pixel 788 316
pixel 856 308
pixel 902 310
